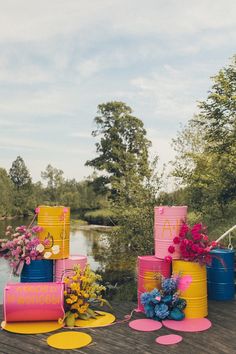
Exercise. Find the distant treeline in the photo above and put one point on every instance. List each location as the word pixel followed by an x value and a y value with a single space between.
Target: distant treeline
pixel 19 195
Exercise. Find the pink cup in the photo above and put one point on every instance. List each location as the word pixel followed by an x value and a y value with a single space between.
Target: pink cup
pixel 33 302
pixel 64 267
pixel 150 270
pixel 167 224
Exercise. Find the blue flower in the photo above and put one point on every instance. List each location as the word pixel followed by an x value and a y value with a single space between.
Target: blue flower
pixel 169 286
pixel 167 299
pixel 161 311
pixel 146 298
pixel 149 310
pixel 155 296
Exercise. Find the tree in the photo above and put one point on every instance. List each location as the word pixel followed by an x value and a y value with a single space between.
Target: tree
pixel 6 193
pixel 123 158
pixel 206 148
pixel 20 176
pixel 55 179
pixel 123 146
pixel 19 173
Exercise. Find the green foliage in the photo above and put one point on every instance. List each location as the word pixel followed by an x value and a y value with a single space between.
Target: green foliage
pixel 123 146
pixel 23 189
pixel 19 173
pixel 54 179
pixel 123 158
pixel 206 148
pixel 6 193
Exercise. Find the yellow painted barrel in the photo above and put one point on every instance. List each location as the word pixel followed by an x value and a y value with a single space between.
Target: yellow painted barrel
pixel 55 221
pixel 196 294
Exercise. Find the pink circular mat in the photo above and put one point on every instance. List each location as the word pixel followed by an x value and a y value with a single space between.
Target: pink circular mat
pixel 145 325
pixel 169 339
pixel 188 324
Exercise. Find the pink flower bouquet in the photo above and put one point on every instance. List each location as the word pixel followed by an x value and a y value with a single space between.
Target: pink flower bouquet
pixel 21 246
pixel 193 243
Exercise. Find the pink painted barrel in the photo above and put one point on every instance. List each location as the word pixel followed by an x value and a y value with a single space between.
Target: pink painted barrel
pixel 33 302
pixel 167 223
pixel 64 267
pixel 150 270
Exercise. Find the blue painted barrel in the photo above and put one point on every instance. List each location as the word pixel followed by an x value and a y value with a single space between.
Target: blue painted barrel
pixel 38 271
pixel 220 275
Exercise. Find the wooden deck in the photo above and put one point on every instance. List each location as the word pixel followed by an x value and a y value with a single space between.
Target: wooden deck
pixel 121 339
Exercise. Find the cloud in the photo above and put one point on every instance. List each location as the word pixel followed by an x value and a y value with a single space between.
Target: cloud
pixel 82 135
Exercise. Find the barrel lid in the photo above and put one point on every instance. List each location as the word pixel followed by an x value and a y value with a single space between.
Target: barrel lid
pixel 222 250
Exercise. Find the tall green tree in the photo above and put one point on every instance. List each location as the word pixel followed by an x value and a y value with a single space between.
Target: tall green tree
pixel 20 176
pixel 19 173
pixel 123 159
pixel 123 146
pixel 54 179
pixel 206 148
pixel 6 193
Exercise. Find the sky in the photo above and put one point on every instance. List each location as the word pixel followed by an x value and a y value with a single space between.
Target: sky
pixel 59 59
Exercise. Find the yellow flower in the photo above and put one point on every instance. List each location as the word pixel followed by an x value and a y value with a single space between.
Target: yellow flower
pixel 83 308
pixel 60 320
pixel 73 297
pixel 69 301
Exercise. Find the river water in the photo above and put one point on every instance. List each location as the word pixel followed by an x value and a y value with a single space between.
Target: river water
pixel 118 277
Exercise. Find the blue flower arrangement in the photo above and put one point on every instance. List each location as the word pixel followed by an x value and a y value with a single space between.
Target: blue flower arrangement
pixel 164 303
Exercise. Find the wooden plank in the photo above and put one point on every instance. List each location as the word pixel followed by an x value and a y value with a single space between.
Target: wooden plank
pixel 119 338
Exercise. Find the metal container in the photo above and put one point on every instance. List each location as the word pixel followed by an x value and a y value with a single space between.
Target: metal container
pixel 55 222
pixel 196 294
pixel 167 224
pixel 64 267
pixel 38 271
pixel 220 275
pixel 150 270
pixel 33 302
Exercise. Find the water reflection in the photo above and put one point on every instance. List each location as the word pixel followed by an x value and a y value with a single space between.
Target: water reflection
pixel 117 269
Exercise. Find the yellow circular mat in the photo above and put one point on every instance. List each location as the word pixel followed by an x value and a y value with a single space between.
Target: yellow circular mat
pixel 69 340
pixel 100 321
pixel 31 327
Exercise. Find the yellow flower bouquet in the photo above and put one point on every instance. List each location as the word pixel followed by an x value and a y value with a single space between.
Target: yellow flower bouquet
pixel 82 290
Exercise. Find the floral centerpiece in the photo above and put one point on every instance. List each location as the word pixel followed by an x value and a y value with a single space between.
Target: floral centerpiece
pixel 166 302
pixel 193 243
pixel 22 245
pixel 82 292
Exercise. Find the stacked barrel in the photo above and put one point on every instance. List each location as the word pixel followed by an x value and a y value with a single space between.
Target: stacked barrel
pixel 39 295
pixel 167 223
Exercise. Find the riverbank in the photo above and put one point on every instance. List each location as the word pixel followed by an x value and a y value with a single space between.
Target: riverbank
pixel 89 227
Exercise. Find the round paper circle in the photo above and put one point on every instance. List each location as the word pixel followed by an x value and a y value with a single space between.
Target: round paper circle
pixel 100 321
pixel 145 325
pixel 31 327
pixel 188 324
pixel 69 340
pixel 169 339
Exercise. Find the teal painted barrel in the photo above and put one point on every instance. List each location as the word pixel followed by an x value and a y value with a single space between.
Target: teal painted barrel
pixel 38 271
pixel 220 275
